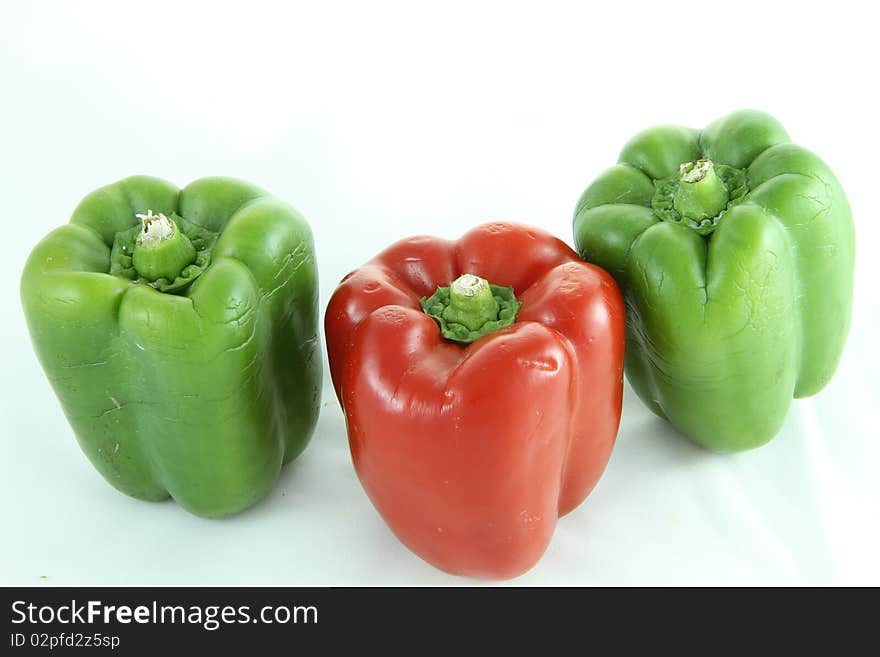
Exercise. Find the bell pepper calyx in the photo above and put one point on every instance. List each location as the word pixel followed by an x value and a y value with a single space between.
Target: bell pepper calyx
pixel 699 195
pixel 165 252
pixel 470 307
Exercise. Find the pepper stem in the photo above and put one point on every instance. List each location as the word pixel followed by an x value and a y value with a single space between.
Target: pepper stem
pixel 470 308
pixel 161 250
pixel 471 303
pixel 701 194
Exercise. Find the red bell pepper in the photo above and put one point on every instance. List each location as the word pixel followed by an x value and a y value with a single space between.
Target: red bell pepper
pixel 472 445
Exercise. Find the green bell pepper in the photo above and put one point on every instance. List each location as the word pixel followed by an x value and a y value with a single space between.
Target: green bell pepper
pixel 734 249
pixel 179 329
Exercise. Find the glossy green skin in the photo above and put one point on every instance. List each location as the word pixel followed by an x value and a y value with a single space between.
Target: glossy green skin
pixel 201 395
pixel 724 330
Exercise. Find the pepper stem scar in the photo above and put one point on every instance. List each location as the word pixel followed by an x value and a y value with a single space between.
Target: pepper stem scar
pixel 156 227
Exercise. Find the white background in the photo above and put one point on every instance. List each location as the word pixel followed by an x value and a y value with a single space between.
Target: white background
pixel 382 121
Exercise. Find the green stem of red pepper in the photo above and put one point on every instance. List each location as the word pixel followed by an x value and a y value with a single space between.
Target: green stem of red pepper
pixel 161 250
pixel 471 302
pixel 470 308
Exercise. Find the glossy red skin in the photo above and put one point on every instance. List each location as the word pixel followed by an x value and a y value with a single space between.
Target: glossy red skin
pixel 471 452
